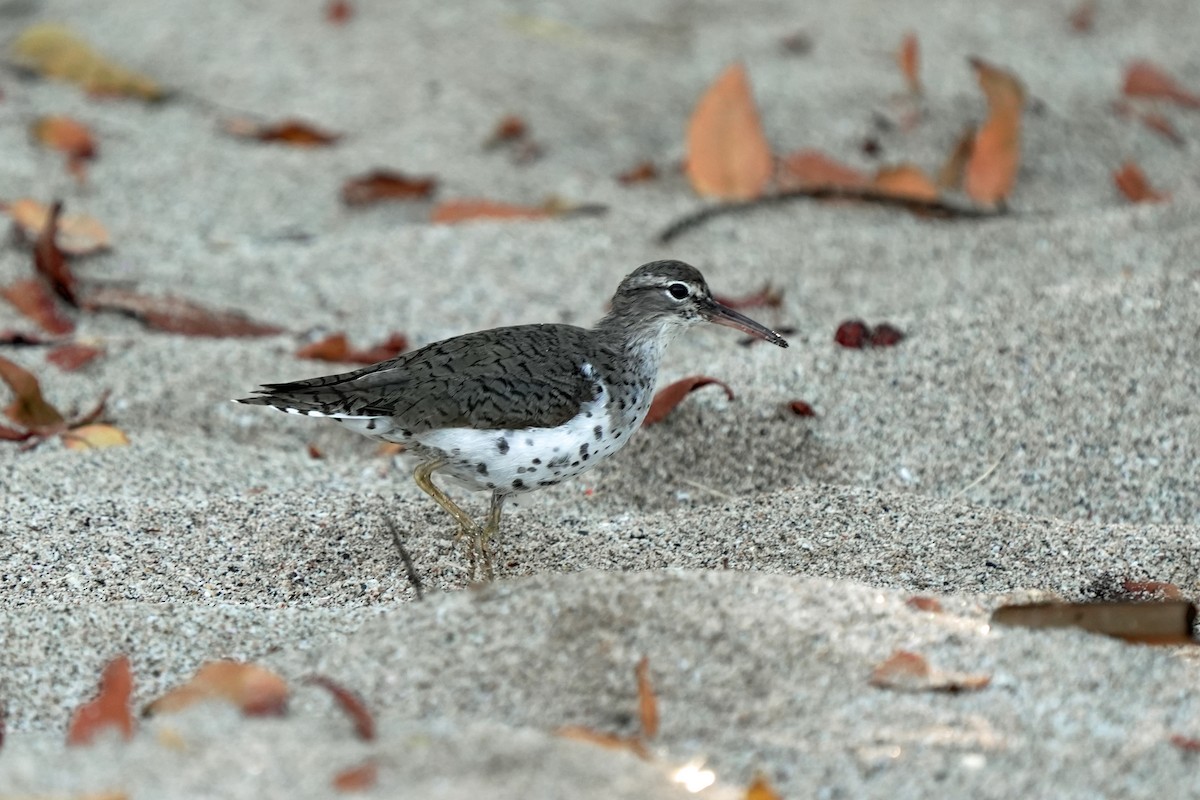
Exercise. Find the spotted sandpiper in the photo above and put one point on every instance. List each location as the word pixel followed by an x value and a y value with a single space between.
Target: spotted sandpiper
pixel 511 410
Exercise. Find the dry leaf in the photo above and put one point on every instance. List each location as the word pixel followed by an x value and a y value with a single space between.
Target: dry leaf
pixel 802 408
pixel 72 356
pixel 382 184
pixel 811 169
pixel 760 789
pixel 358 778
pixel 991 170
pixel 352 704
pixel 1158 590
pixel 29 409
pixel 1083 17
pixel 294 132
pixel 645 171
pixel 9 336
pixel 176 315
pixel 255 690
pixel 728 156
pixel 54 51
pixel 950 176
pixel 454 211
pixel 336 347
pixel 31 297
pixel 929 604
pixel 110 707
pixel 647 702
pixel 1167 622
pixel 610 741
pixel 94 437
pixel 910 672
pixel 339 12
pixel 49 261
pixel 78 235
pixel 1143 79
pixel 510 128
pixel 668 397
pixel 1187 744
pixel 1163 127
pixel 908 57
pixel 905 181
pixel 1133 184
pixel 68 136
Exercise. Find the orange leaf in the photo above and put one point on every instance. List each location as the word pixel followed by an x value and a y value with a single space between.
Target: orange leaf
pixel 950 176
pixel 1163 127
pixel 110 707
pixel 176 315
pixel 1143 79
pixel 645 171
pixel 910 672
pixel 610 741
pixel 255 690
pixel 906 181
pixel 352 704
pixel 29 409
pixel 294 132
pixel 647 702
pixel 991 170
pixel 510 128
pixel 78 235
pixel 336 347
pixel 728 156
pixel 71 356
pixel 811 169
pixel 358 778
pixel 94 437
pixel 31 298
pixel 452 211
pixel 909 60
pixel 1133 184
pixel 49 261
pixel 760 789
pixel 383 184
pixel 672 395
pixel 65 135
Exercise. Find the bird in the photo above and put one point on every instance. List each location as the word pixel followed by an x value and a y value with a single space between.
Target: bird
pixel 514 409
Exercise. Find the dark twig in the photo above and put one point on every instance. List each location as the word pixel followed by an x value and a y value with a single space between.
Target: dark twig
pixel 936 208
pixel 413 577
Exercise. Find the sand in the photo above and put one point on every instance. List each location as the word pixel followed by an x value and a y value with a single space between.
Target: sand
pixel 1035 435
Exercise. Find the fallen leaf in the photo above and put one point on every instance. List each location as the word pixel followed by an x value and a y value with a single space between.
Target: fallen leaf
pixel 336 347
pixel 68 136
pixel 907 181
pixel 1167 622
pixel 382 184
pixel 8 336
pixel 339 12
pixel 886 335
pixel 255 690
pixel 991 170
pixel 1144 79
pixel 950 176
pixel 610 741
pixel 49 261
pixel 728 156
pixel 1158 590
pixel 358 778
pixel 314 452
pixel 1187 744
pixel 811 169
pixel 801 408
pixel 29 409
pixel 647 702
pixel 908 57
pixel 645 171
pixel 294 132
pixel 929 604
pixel 352 704
pixel 1083 17
pixel 72 356
pixel 510 128
pixel 1132 183
pixel 1163 127
pixel 110 707
pixel 768 296
pixel 910 672
pixel 760 789
pixel 669 396
pixel 55 51
pixel 94 437
pixel 853 334
pixel 176 315
pixel 454 211
pixel 31 297
pixel 78 234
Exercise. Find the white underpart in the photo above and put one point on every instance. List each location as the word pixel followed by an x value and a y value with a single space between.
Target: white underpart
pixel 377 427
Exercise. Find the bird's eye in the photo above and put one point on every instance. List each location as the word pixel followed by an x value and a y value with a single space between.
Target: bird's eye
pixel 679 290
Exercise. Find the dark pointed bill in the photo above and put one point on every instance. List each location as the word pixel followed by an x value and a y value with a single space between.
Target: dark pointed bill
pixel 724 315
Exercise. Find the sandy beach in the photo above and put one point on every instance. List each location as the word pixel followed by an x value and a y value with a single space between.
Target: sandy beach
pixel 1035 436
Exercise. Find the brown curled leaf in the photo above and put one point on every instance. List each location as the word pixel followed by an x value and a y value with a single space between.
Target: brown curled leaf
pixel 73 355
pixel 728 156
pixel 29 409
pixel 256 690
pixel 336 347
pixel 670 396
pixel 383 184
pixel 109 708
pixel 352 704
pixel 176 315
pixel 31 297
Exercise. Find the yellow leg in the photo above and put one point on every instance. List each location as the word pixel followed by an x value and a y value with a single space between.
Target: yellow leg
pixel 423 475
pixel 491 530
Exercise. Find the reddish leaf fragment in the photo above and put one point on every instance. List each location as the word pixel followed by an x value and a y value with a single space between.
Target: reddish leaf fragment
pixel 352 704
pixel 647 702
pixel 71 356
pixel 454 211
pixel 255 690
pixel 668 397
pixel 1144 79
pixel 13 435
pixel 767 296
pixel 358 778
pixel 886 335
pixel 66 135
pixel 991 171
pixel 950 176
pixel 728 156
pixel 760 789
pixel 1158 590
pixel 294 132
pixel 336 347
pixel 811 169
pixel 1132 183
pixel 31 298
pixel 909 60
pixel 110 707
pixel 382 184
pixel 29 410
pixel 510 128
pixel 610 741
pixel 1163 127
pixel 49 261
pixel 176 315
pixel 910 672
pixel 905 181
pixel 314 452
pixel 853 334
pixel 78 234
pixel 1167 622
pixel 922 603
pixel 21 339
pixel 339 12
pixel 645 171
pixel 801 408
pixel 1187 744
pixel 1083 18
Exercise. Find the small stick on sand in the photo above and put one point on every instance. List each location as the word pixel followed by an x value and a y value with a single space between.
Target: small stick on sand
pixel 413 577
pixel 981 478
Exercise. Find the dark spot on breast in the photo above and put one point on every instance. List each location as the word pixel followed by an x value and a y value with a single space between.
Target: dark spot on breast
pixel 491 486
pixel 589 415
pixel 502 445
pixel 406 434
pixel 583 451
pixel 518 484
pixel 371 424
pixel 547 483
pixel 574 463
pixel 536 461
pixel 599 432
pixel 481 468
pixel 529 442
